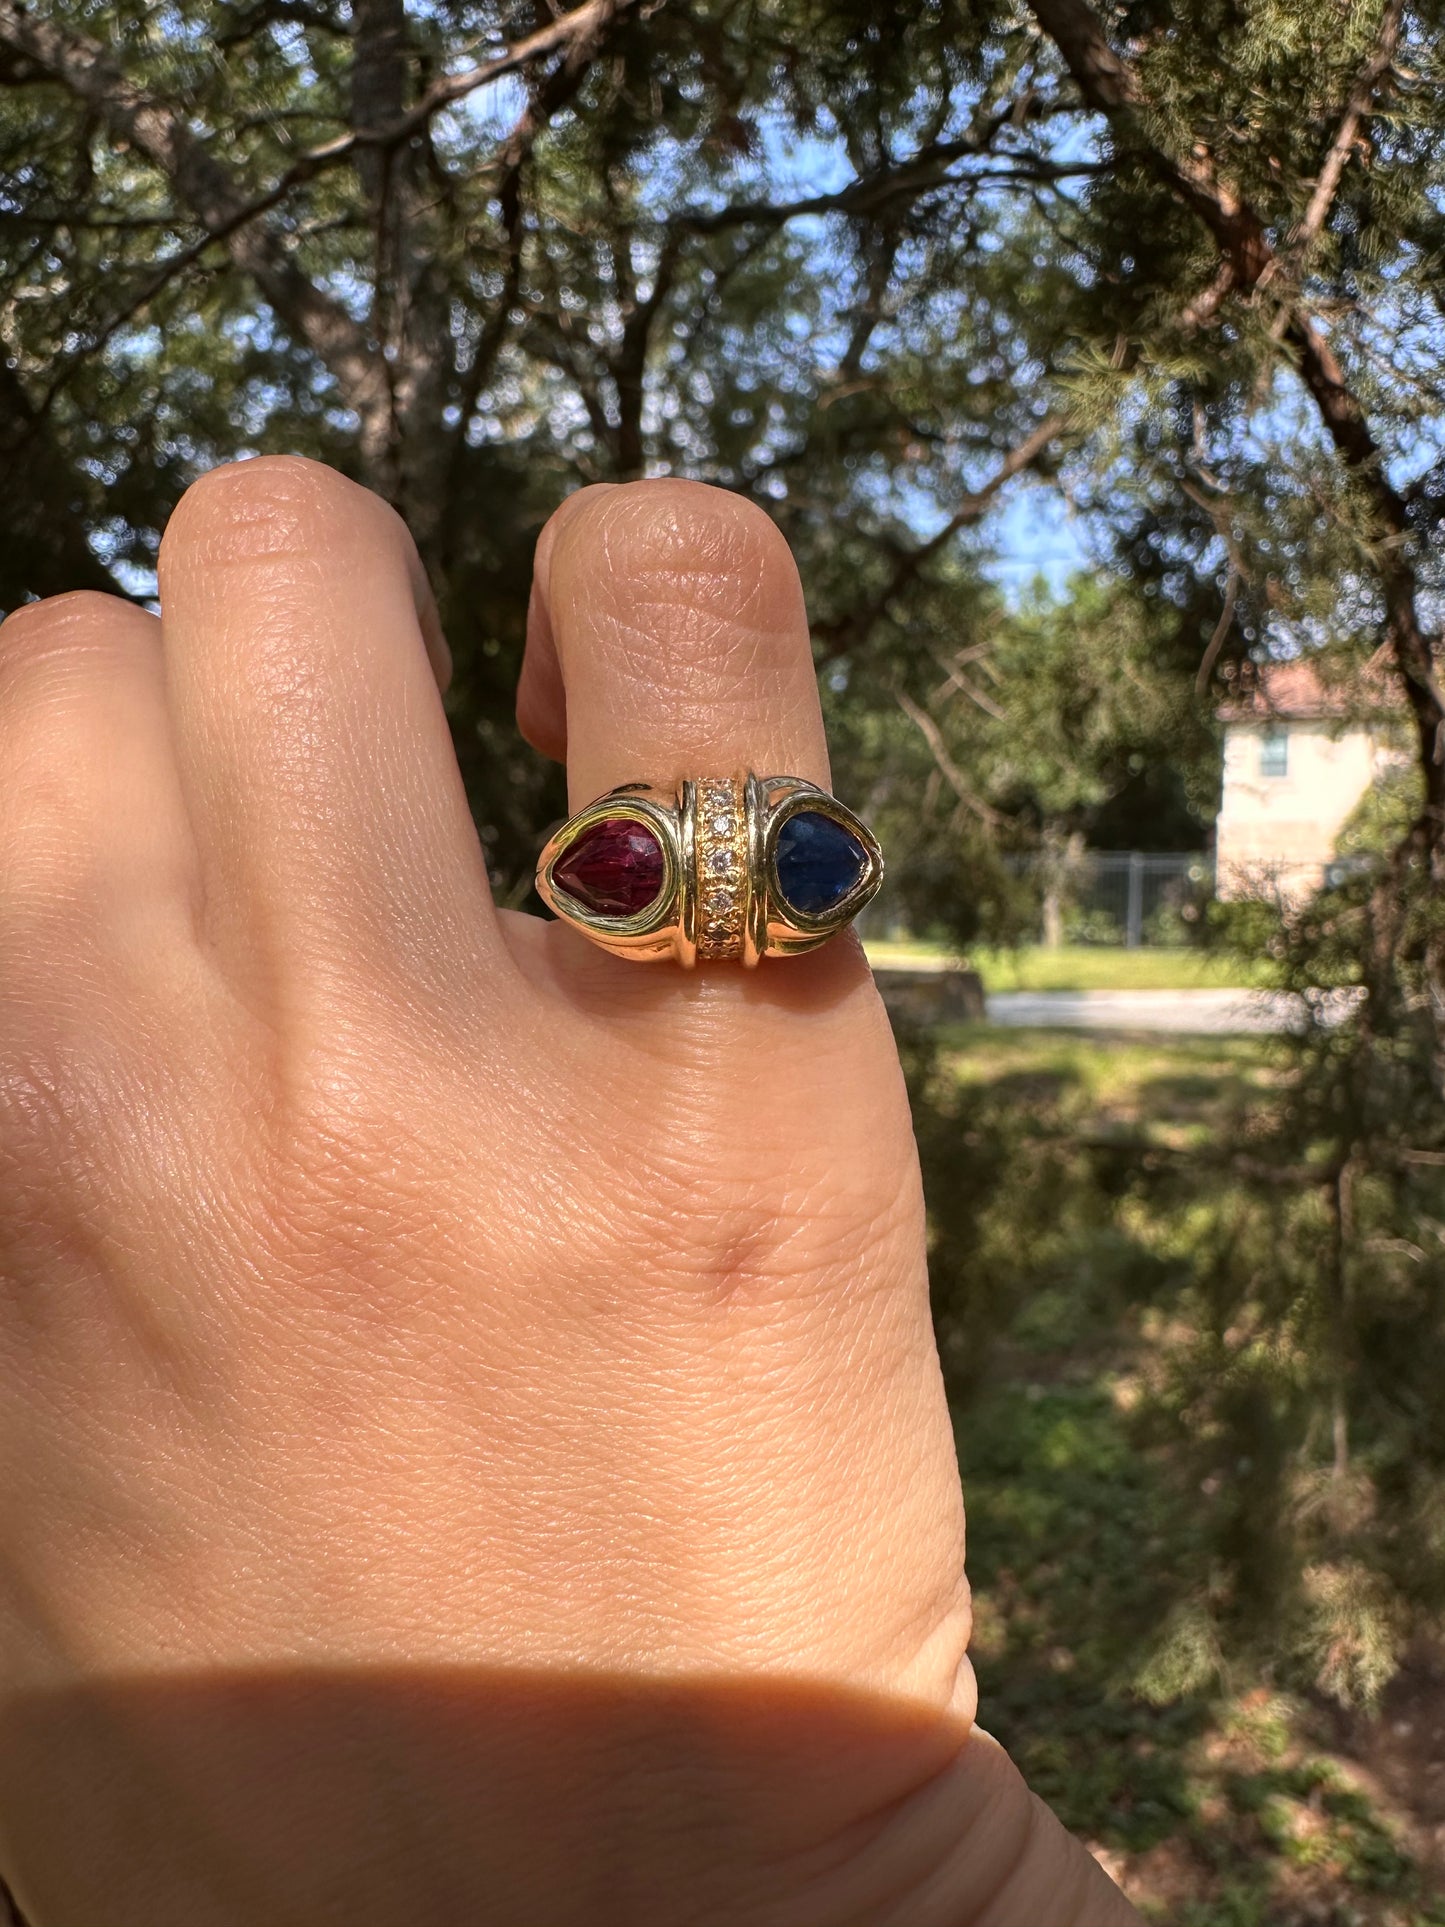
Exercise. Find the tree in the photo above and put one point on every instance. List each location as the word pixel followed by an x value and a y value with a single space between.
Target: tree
pixel 870 274
pixel 1059 723
pixel 477 255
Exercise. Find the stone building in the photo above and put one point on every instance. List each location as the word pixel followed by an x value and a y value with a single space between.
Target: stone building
pixel 1298 756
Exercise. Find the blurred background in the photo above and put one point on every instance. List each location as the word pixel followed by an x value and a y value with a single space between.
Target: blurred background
pixel 1090 358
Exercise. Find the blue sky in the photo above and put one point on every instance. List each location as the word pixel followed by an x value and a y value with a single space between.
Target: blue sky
pixel 1035 535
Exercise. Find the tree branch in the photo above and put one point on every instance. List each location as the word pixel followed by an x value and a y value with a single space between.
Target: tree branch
pixel 163 135
pixel 378 85
pixel 970 508
pixel 1221 631
pixel 45 551
pixel 204 186
pixel 583 25
pixel 952 775
pixel 10 1912
pixel 956 683
pixel 1361 99
pixel 577 29
pixel 867 196
pixel 1110 86
pixel 269 12
pixel 411 299
pixel 546 100
pixel 629 365
pixel 556 91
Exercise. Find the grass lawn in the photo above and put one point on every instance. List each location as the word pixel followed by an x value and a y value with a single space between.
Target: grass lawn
pixel 1151 1088
pixel 1219 1794
pixel 1085 967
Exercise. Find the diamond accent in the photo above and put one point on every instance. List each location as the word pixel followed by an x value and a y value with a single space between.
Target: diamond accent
pixel 720 842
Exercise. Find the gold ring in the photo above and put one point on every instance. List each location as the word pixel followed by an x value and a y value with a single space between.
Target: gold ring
pixel 727 867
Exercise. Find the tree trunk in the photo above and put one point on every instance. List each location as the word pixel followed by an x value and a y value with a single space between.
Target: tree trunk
pixel 1060 862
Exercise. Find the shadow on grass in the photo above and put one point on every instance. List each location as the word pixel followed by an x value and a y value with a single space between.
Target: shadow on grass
pixel 1114 1540
pixel 1072 1548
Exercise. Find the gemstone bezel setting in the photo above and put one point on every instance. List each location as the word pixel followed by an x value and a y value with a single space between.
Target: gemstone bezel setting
pixel 790 929
pixel 625 858
pixel 646 932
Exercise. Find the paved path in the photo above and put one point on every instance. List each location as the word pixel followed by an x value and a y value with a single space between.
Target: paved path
pixel 1212 1011
pixel 1221 1012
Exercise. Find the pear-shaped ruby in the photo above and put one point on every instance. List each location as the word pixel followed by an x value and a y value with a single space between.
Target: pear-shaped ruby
pixel 614 869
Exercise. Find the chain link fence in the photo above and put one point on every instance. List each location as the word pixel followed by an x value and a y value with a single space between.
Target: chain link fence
pixel 1113 898
pixel 1134 897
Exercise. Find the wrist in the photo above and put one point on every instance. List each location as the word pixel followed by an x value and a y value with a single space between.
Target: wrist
pixel 985 1852
pixel 417 1798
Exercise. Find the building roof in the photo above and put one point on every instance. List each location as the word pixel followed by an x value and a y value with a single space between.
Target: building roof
pixel 1295 689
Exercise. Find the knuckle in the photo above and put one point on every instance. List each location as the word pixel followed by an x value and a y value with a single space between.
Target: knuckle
pixel 688 526
pixel 53 721
pixel 346 1113
pixel 57 665
pixel 708 562
pixel 41 1120
pixel 273 506
pixel 59 627
pixel 581 504
pixel 87 1142
pixel 714 1240
pixel 351 1180
pixel 76 606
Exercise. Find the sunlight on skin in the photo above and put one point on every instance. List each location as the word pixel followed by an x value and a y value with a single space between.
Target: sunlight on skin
pixel 421 1309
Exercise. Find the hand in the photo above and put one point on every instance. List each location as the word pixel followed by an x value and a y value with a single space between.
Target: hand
pixel 471 1443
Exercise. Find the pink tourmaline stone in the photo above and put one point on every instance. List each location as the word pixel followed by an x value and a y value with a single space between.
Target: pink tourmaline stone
pixel 614 870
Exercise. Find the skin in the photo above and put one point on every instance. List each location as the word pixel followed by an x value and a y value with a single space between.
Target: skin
pixel 471 1440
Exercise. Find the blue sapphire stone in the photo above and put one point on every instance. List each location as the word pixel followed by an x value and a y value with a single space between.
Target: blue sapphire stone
pixel 818 862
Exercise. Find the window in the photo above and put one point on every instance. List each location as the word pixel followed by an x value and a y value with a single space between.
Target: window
pixel 1274 753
